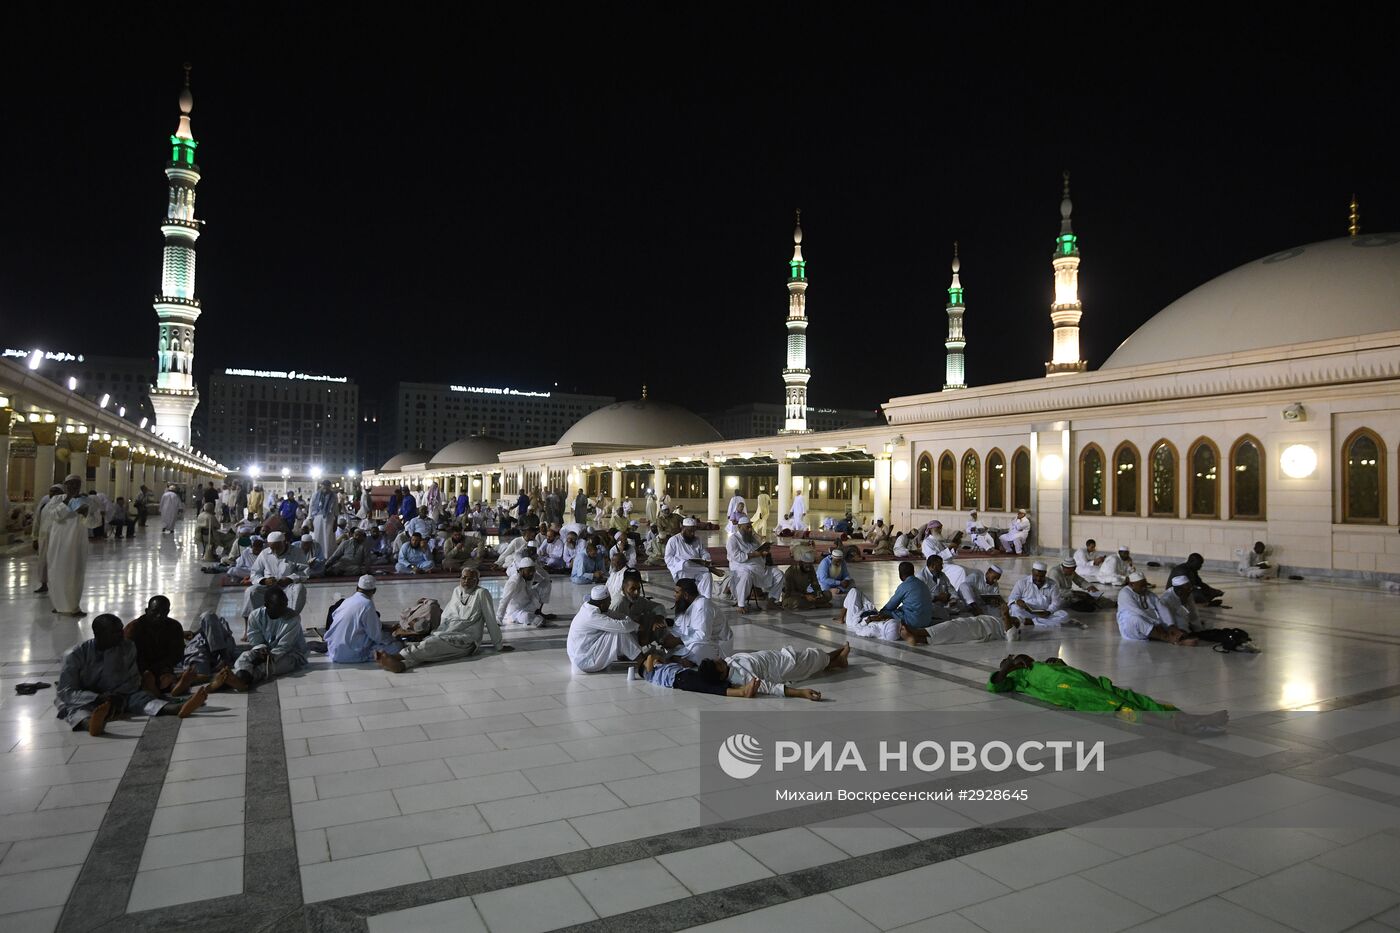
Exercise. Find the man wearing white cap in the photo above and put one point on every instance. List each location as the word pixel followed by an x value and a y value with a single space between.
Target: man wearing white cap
pixel 510 551
pixel 801 588
pixel 521 600
pixel 65 526
pixel 981 590
pixel 1088 560
pixel 736 507
pixel 1177 608
pixel 1115 568
pixel 170 509
pixel 1076 592
pixel 1140 615
pixel 833 575
pixel 467 617
pixel 356 632
pixel 275 566
pixel 1014 541
pixel 1036 601
pixel 799 511
pixel 622 544
pixel 309 552
pixel 242 567
pixel 277 645
pixel 688 559
pixel 977 533
pixel 748 563
pixel 700 625
pixel 597 639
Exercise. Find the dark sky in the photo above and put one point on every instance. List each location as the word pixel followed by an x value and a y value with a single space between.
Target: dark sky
pixel 605 199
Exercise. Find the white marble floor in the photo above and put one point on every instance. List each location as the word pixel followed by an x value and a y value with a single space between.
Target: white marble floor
pixel 512 793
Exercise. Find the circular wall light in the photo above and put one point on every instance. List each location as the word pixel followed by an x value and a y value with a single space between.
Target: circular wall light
pixel 1298 461
pixel 901 470
pixel 1052 467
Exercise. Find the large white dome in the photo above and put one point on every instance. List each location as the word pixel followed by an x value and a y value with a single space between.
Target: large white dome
pixel 401 460
pixel 641 423
pixel 474 450
pixel 1337 288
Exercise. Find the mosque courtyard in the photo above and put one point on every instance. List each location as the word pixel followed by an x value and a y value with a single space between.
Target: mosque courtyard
pixel 510 793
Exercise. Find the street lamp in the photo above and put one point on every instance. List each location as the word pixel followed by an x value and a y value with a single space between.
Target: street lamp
pixel 315 474
pixel 286 473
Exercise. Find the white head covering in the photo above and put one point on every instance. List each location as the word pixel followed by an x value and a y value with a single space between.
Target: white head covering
pixel 993 568
pixel 1135 576
pixel 367 582
pixel 1039 565
pixel 1180 581
pixel 75 478
pixel 837 554
pixel 1122 549
pixel 1067 562
pixel 276 536
pixel 307 538
pixel 743 520
pixel 599 592
pixel 689 523
pixel 523 563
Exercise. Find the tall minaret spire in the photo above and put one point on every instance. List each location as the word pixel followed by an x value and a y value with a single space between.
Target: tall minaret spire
pixel 796 373
pixel 174 396
pixel 956 375
pixel 1066 309
pixel 1354 219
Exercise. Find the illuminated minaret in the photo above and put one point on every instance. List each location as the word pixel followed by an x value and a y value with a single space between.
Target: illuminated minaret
pixel 174 396
pixel 956 375
pixel 1065 312
pixel 796 373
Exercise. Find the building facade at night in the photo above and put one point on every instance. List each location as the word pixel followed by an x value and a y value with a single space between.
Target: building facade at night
pixel 274 419
pixel 429 416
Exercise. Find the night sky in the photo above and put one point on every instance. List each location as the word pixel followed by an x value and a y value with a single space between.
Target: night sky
pixel 606 200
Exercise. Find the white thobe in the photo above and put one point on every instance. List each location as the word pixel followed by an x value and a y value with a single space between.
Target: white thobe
pixel 939 583
pixel 975 588
pixel 775 669
pixel 901 545
pixel 630 553
pixel 1256 566
pixel 704 630
pixel 67 546
pixel 856 605
pixel 933 543
pixel 1045 596
pixel 1015 537
pixel 1137 614
pixel 1173 612
pixel 956 575
pixel 977 534
pixel 799 512
pixel 678 552
pixel 596 639
pixel 615 580
pixel 511 553
pixel 269 565
pixel 169 510
pixel 1114 570
pixel 736 507
pixel 552 554
pixel 521 603
pixel 749 568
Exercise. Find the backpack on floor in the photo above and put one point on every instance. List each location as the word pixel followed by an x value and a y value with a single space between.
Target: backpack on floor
pixel 422 617
pixel 1225 639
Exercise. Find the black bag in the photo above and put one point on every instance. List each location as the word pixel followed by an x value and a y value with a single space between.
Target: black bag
pixel 1225 639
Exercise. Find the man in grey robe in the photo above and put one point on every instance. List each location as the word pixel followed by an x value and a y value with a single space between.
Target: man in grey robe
pixel 467 616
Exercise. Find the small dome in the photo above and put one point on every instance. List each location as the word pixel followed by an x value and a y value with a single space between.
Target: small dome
pixel 399 461
pixel 1347 287
pixel 473 450
pixel 641 423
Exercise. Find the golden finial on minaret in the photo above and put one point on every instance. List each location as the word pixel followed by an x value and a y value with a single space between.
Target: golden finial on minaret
pixel 1354 225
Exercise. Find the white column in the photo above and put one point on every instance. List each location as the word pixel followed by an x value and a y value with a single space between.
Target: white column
pixel 104 475
pixel 855 498
pixel 44 459
pixel 658 481
pixel 880 489
pixel 121 487
pixel 616 485
pixel 5 468
pixel 712 489
pixel 784 487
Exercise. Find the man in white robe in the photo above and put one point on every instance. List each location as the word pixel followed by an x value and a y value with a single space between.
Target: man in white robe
pixel 1088 560
pixel 956 574
pixel 597 639
pixel 276 567
pixel 1255 563
pixel 933 542
pixel 277 645
pixel 735 508
pixel 749 566
pixel 700 625
pixel 67 547
pixel 40 531
pixel 776 669
pixel 170 508
pixel 688 559
pixel 551 552
pixel 468 616
pixel 799 512
pixel 981 590
pixel 945 595
pixel 1140 615
pixel 324 508
pixel 1176 608
pixel 977 533
pixel 241 570
pixel 901 544
pixel 524 597
pixel 356 633
pixel 1076 592
pixel 1115 568
pixel 958 630
pixel 1014 541
pixel 762 513
pixel 1035 600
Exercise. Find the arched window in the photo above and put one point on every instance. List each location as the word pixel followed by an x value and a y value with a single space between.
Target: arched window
pixel 1091 485
pixel 947 481
pixel 1021 479
pixel 1363 478
pixel 996 481
pixel 971 480
pixel 1203 479
pixel 1247 479
pixel 925 485
pixel 1162 498
pixel 1125 479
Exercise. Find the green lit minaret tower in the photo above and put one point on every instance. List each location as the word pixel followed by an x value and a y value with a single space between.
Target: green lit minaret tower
pixel 955 374
pixel 1067 309
pixel 796 373
pixel 174 396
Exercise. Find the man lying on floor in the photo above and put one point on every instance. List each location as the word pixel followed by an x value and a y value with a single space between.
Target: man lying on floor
pixel 749 673
pixel 100 682
pixel 863 618
pixel 1058 684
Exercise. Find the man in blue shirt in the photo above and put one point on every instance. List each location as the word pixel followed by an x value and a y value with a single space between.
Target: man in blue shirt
pixel 414 557
pixel 911 603
pixel 590 567
pixel 832 573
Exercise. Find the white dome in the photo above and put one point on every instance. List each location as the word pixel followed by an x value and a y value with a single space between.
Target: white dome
pixel 399 461
pixel 641 423
pixel 473 450
pixel 1337 288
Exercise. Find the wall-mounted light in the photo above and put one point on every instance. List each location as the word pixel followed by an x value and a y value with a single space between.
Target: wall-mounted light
pixel 865 484
pixel 104 400
pixel 901 470
pixel 1052 467
pixel 1298 461
pixel 72 383
pixel 732 482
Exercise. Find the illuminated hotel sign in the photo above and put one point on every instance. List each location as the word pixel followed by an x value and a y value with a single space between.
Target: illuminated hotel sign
pixel 59 357
pixel 480 390
pixel 278 374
